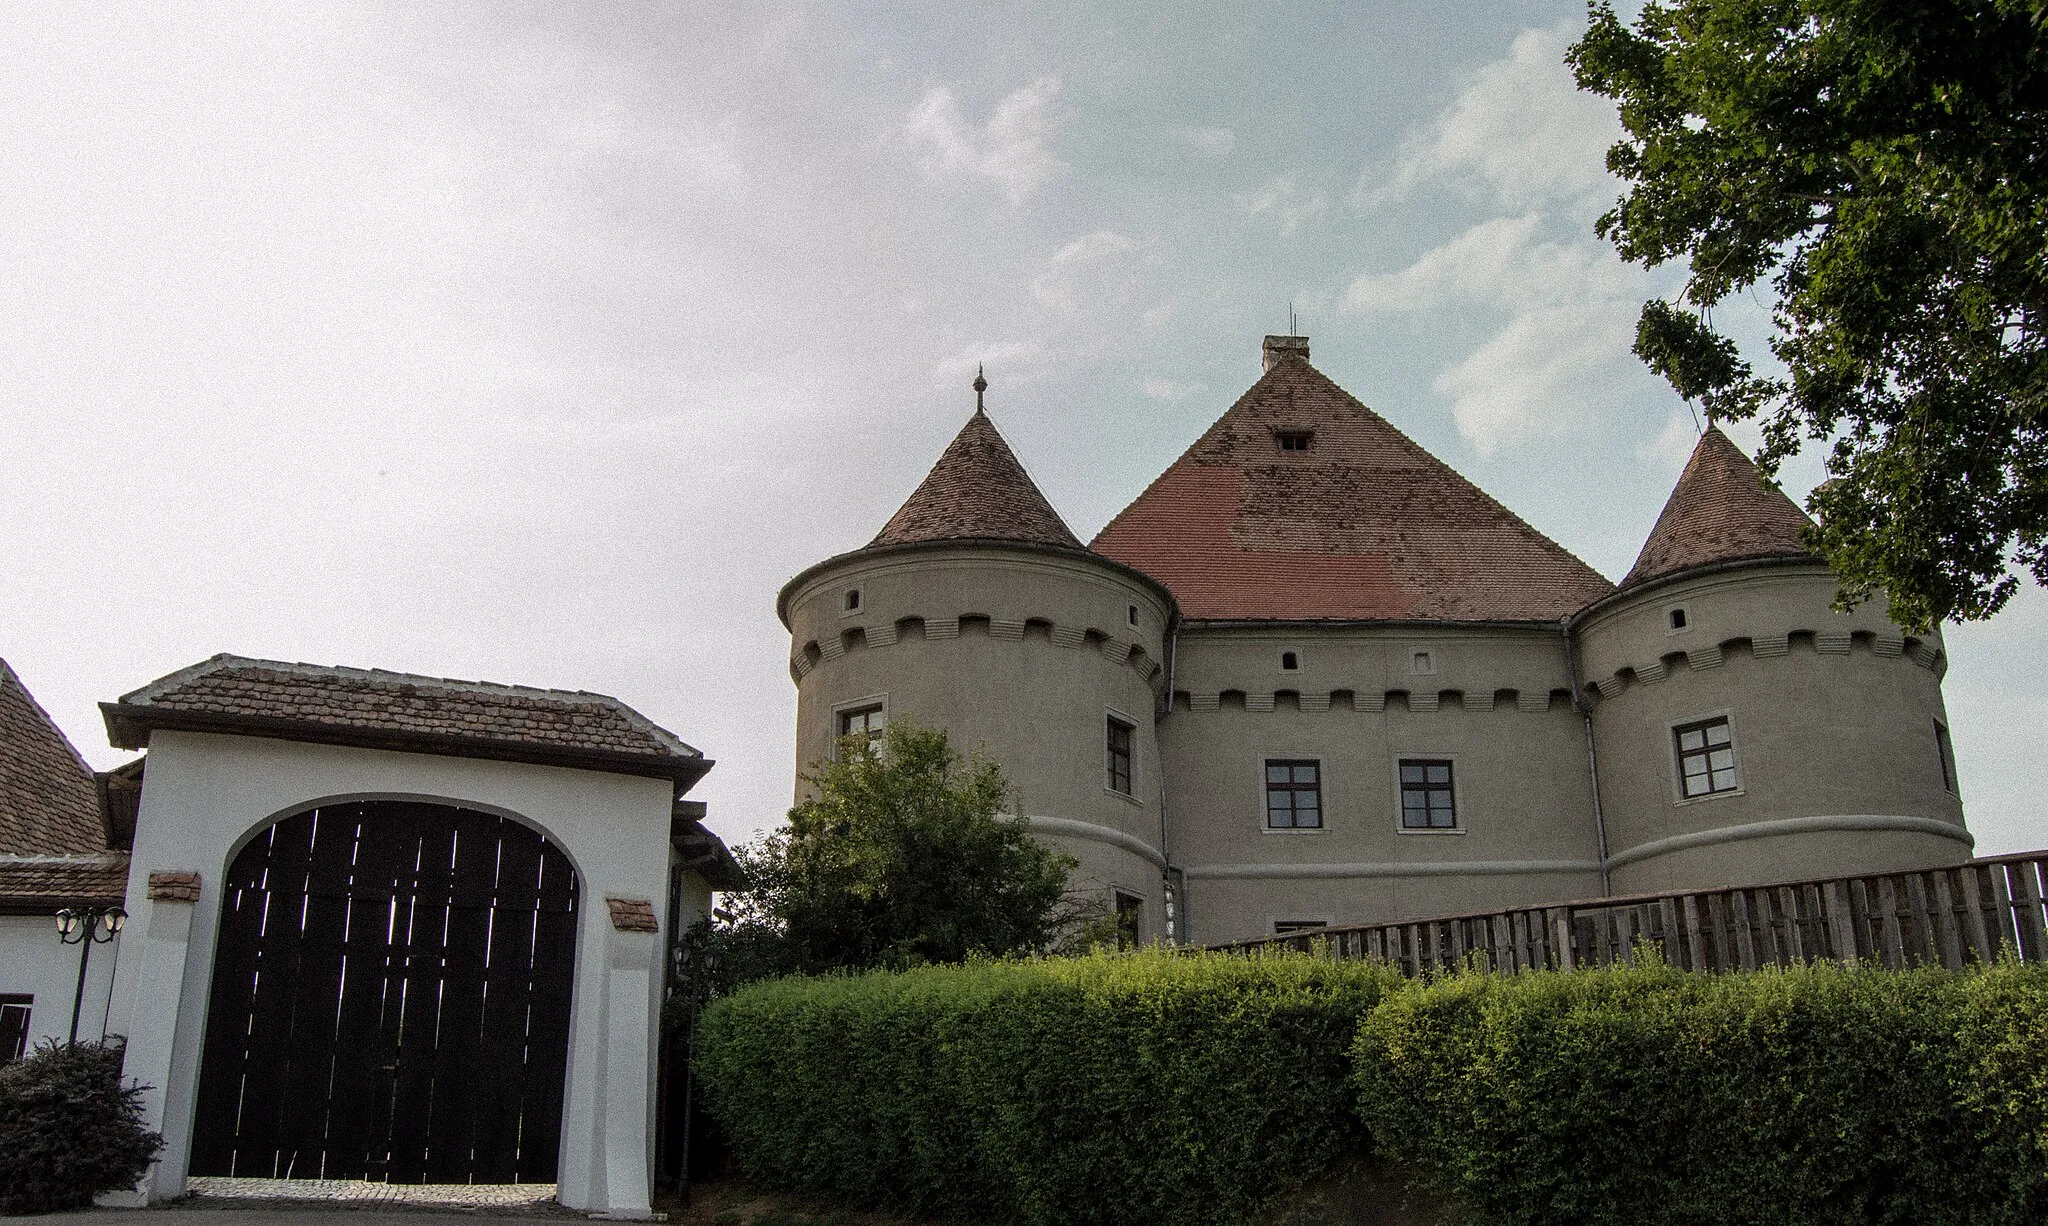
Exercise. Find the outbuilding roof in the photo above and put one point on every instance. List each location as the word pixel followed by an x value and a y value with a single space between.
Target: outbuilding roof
pixel 977 491
pixel 1721 510
pixel 386 710
pixel 49 804
pixel 1300 503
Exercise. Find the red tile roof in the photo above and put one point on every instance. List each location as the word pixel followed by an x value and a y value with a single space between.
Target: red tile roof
pixel 45 884
pixel 1720 511
pixel 49 804
pixel 1364 524
pixel 977 491
pixel 399 710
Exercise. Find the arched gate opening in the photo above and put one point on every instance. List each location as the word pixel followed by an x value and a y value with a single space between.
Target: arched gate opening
pixel 390 1001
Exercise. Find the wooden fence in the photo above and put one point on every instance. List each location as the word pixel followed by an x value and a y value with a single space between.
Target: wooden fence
pixel 1975 912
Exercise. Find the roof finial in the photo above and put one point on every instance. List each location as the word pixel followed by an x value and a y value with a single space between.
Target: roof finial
pixel 980 386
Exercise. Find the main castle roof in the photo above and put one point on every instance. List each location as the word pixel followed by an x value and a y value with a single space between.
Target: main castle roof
pixel 1720 511
pixel 1300 503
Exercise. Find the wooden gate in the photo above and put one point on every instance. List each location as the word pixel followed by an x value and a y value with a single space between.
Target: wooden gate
pixel 390 1000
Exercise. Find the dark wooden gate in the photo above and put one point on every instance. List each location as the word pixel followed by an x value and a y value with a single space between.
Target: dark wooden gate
pixel 390 1000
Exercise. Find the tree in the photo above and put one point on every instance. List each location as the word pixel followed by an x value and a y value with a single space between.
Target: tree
pixel 1882 162
pixel 902 855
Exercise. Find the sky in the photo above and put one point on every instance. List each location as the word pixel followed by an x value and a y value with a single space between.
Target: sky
pixel 542 343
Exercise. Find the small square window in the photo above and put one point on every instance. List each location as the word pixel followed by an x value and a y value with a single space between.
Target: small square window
pixel 1119 756
pixel 1294 794
pixel 1422 663
pixel 1295 440
pixel 1945 750
pixel 1678 619
pixel 1428 800
pixel 865 722
pixel 1706 758
pixel 1289 662
pixel 853 600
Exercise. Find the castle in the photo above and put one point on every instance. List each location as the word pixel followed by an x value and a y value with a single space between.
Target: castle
pixel 1313 676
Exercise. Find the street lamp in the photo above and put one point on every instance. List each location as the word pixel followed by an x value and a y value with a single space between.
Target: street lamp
pixel 86 927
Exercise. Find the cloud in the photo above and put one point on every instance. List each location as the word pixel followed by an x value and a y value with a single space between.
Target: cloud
pixel 1520 128
pixel 1013 149
pixel 1170 390
pixel 1560 357
pixel 1090 262
pixel 1210 142
pixel 1286 204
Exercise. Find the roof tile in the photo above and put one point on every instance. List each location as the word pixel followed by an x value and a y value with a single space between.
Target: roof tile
pixel 1721 510
pixel 49 804
pixel 977 491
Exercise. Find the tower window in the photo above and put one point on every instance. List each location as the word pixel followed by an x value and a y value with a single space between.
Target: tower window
pixel 1130 910
pixel 853 600
pixel 1294 795
pixel 1294 440
pixel 1945 750
pixel 1706 758
pixel 866 722
pixel 1289 662
pixel 1119 756
pixel 1427 799
pixel 1133 615
pixel 1678 619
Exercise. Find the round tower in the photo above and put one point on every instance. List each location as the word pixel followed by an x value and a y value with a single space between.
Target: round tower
pixel 1744 730
pixel 976 610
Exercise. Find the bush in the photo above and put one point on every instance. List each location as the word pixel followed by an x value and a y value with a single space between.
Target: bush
pixel 1148 1087
pixel 68 1131
pixel 1629 1095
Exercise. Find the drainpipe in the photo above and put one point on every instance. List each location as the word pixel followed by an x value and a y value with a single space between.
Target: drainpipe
pixel 1585 710
pixel 1178 923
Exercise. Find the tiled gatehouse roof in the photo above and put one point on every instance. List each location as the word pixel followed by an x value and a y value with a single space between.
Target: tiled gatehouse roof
pixel 53 835
pixel 378 709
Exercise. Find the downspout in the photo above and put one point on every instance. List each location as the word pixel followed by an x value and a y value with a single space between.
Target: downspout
pixel 1585 710
pixel 1177 922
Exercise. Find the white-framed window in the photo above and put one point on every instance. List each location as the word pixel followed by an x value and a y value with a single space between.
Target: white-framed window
pixel 1294 793
pixel 1121 739
pixel 1945 751
pixel 866 718
pixel 1704 753
pixel 14 1011
pixel 1429 793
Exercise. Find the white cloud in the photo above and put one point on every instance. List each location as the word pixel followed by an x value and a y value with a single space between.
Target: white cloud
pixel 1520 127
pixel 1170 390
pixel 1210 142
pixel 1014 148
pixel 1094 262
pixel 1285 203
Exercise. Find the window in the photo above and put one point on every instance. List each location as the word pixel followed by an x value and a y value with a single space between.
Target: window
pixel 1294 440
pixel 1678 619
pixel 1945 749
pixel 1422 663
pixel 1289 662
pixel 1428 801
pixel 1129 911
pixel 14 1026
pixel 1706 758
pixel 1294 795
pixel 1119 756
pixel 853 600
pixel 1282 927
pixel 867 721
pixel 1133 615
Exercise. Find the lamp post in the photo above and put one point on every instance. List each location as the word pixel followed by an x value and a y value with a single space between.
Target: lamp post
pixel 82 926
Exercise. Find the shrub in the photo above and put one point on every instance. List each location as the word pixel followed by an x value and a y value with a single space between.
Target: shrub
pixel 1146 1087
pixel 68 1131
pixel 1629 1095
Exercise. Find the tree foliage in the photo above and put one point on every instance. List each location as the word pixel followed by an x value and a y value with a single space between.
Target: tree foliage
pixel 1881 165
pixel 68 1129
pixel 902 855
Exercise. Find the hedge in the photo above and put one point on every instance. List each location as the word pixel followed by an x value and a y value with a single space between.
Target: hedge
pixel 1146 1087
pixel 1815 1094
pixel 68 1130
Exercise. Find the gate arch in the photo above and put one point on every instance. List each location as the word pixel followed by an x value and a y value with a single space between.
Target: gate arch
pixel 390 1000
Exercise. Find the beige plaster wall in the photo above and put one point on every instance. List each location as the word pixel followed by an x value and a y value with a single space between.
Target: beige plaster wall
pixel 1023 654
pixel 1495 705
pixel 1832 716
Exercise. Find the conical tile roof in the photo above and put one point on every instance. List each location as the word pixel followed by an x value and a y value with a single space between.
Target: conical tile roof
pixel 977 491
pixel 49 802
pixel 1720 511
pixel 1360 524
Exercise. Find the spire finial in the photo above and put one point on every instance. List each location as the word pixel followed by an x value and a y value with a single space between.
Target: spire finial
pixel 980 386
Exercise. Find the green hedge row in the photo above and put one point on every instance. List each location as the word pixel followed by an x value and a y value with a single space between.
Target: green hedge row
pixel 1146 1087
pixel 1197 1089
pixel 1629 1095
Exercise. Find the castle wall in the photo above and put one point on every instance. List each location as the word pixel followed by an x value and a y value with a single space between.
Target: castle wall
pixel 1832 718
pixel 1493 701
pixel 1023 653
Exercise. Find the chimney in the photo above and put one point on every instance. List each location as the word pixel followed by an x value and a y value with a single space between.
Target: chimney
pixel 1278 348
